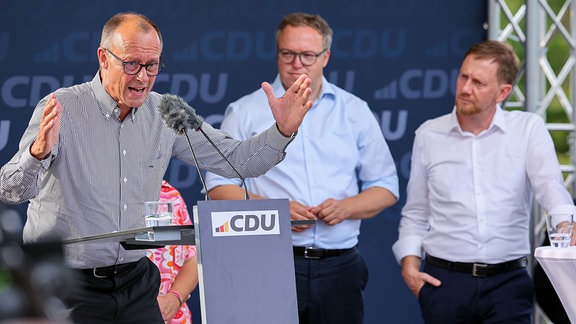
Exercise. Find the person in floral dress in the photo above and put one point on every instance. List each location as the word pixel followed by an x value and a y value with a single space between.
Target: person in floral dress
pixel 177 265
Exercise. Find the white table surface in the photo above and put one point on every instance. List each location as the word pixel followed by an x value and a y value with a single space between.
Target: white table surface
pixel 560 266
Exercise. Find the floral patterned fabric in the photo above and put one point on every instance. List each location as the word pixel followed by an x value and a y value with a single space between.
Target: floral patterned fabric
pixel 170 258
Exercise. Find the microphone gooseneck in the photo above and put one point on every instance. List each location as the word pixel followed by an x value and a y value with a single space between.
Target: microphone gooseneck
pixel 206 196
pixel 179 116
pixel 246 194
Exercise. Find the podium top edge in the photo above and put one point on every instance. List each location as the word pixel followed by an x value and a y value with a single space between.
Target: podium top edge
pixel 122 235
pixel 550 252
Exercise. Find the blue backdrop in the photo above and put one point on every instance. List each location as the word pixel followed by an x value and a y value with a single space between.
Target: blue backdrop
pixel 402 57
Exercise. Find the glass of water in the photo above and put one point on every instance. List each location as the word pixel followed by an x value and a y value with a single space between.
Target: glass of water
pixel 158 213
pixel 559 227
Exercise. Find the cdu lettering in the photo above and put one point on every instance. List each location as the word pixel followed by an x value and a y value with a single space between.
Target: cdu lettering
pixel 190 88
pixel 251 223
pixel 22 91
pixel 426 84
pixel 387 123
pixel 368 43
pixel 219 46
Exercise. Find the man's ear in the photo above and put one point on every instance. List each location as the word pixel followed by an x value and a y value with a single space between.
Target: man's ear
pixel 102 58
pixel 504 92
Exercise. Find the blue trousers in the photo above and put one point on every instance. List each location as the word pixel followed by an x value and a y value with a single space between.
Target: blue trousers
pixel 461 298
pixel 127 297
pixel 330 290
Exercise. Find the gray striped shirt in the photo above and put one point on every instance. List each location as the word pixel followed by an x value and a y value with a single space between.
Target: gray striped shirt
pixel 102 170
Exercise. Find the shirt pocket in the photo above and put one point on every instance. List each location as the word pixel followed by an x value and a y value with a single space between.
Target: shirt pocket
pixel 152 174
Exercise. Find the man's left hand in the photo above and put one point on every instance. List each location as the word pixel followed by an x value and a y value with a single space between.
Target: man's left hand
pixel 290 109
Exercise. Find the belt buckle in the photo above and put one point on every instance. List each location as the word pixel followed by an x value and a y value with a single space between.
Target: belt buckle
pixel 96 275
pixel 307 256
pixel 102 276
pixel 478 266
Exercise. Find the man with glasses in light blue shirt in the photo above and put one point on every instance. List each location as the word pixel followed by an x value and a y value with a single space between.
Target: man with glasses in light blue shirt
pixel 339 145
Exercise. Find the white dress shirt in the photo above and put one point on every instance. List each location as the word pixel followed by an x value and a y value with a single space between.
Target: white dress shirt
pixel 469 196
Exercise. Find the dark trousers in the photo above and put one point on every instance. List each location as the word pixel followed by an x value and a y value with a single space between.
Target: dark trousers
pixel 128 296
pixel 461 298
pixel 330 290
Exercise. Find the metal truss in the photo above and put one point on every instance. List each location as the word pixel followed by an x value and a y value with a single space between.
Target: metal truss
pixel 543 35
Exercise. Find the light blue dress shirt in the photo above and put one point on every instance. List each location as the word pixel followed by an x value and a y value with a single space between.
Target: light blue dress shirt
pixel 469 196
pixel 338 146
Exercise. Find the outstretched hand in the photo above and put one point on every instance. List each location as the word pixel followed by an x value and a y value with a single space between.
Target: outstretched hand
pixel 290 109
pixel 48 130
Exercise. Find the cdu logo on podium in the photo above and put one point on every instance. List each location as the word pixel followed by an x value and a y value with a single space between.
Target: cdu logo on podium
pixel 234 223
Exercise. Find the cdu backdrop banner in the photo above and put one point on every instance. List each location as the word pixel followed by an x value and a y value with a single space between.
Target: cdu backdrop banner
pixel 402 57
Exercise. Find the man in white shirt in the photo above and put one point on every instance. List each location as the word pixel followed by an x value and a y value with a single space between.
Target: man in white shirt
pixel 473 175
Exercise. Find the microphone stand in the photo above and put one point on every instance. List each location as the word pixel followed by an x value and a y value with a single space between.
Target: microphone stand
pixel 206 197
pixel 246 194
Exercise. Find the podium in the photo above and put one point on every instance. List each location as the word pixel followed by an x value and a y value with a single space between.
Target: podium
pixel 560 266
pixel 245 262
pixel 245 258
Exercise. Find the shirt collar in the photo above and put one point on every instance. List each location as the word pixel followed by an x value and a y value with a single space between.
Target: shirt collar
pixel 499 121
pixel 106 103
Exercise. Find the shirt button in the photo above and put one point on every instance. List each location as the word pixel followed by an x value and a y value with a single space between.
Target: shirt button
pixel 125 180
pixel 124 152
pixel 125 206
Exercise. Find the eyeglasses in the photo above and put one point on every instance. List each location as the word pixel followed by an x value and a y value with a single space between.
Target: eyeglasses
pixel 306 58
pixel 133 68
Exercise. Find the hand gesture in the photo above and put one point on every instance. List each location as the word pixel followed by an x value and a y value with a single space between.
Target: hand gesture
pixel 290 109
pixel 48 129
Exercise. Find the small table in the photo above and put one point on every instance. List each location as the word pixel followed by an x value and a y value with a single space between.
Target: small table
pixel 560 266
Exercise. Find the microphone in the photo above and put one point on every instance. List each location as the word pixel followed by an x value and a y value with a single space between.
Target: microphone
pixel 179 116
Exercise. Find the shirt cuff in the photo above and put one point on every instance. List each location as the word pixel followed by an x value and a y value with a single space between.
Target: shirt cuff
pixel 30 163
pixel 563 209
pixel 411 245
pixel 276 140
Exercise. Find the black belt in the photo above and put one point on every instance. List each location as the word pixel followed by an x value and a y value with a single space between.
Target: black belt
pixel 478 269
pixel 109 271
pixel 310 252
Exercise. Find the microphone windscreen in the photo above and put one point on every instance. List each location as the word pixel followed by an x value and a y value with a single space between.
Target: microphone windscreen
pixel 172 113
pixel 194 121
